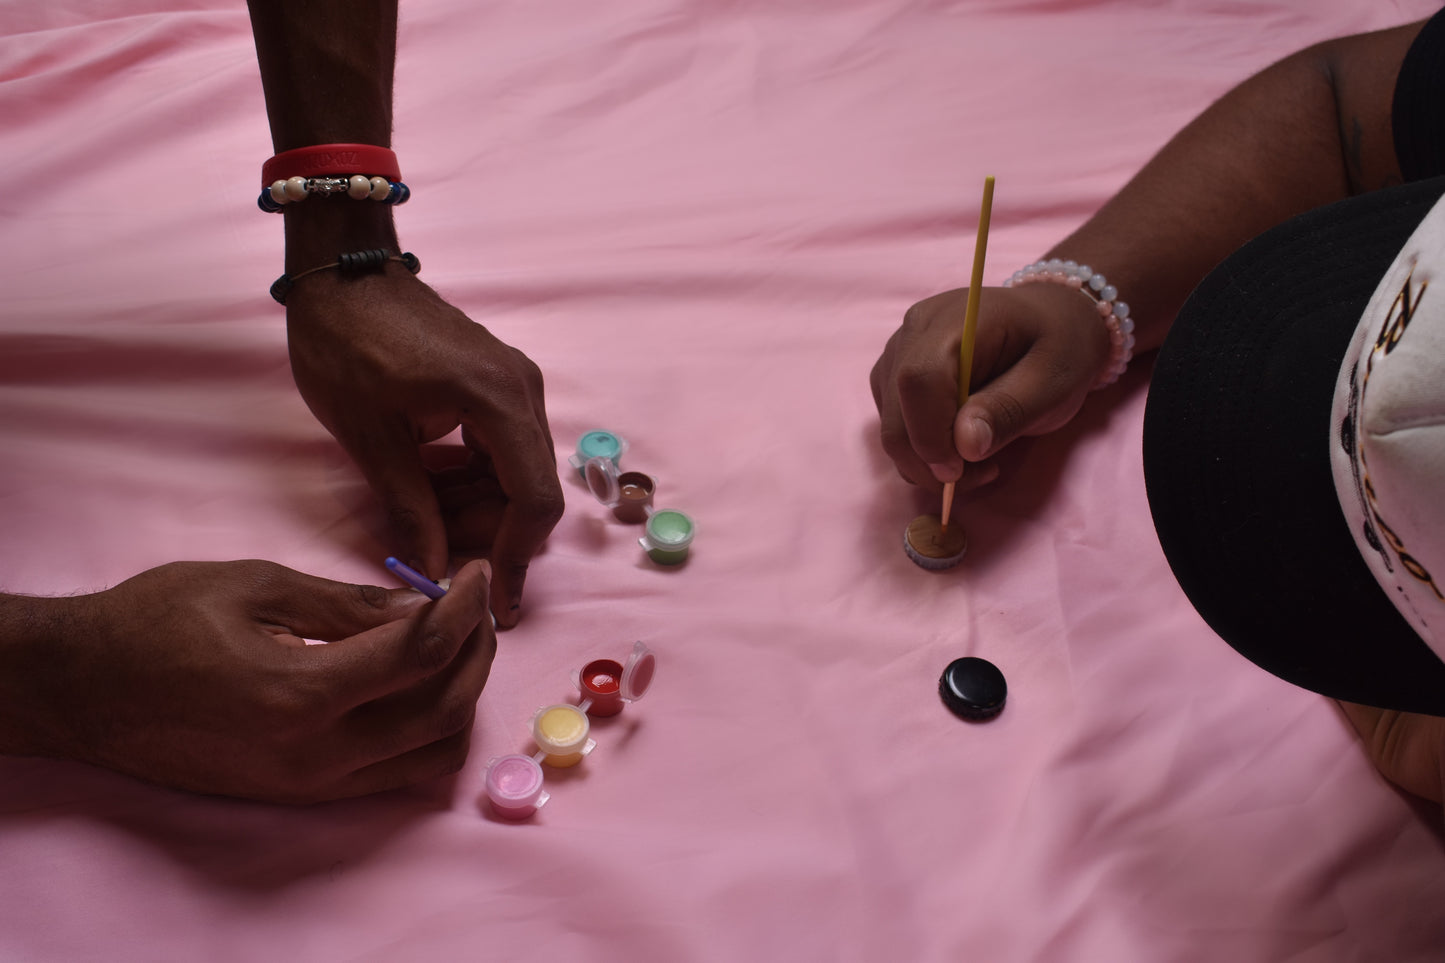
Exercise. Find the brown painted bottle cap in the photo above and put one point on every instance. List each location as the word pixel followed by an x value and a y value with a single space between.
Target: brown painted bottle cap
pixel 931 546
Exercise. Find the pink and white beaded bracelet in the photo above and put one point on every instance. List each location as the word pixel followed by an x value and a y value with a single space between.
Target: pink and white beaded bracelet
pixel 1115 313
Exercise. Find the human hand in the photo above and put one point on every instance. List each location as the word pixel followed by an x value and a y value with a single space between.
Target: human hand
pixel 1038 351
pixel 195 675
pixel 387 365
pixel 1407 748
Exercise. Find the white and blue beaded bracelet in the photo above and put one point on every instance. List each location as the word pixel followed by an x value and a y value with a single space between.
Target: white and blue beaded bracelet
pixel 358 187
pixel 1105 296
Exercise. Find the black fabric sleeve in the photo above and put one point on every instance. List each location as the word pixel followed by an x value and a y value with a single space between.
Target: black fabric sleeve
pixel 1418 111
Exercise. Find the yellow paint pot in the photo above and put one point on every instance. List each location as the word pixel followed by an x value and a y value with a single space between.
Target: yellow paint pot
pixel 562 732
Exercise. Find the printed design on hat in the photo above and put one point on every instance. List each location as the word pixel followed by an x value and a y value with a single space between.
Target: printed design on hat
pixel 1392 331
pixel 1387 431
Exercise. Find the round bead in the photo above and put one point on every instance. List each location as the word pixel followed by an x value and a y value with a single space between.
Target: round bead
pixel 358 188
pixel 1121 310
pixel 1097 282
pixel 1085 272
pixel 380 187
pixel 295 188
pixel 1109 292
pixel 278 192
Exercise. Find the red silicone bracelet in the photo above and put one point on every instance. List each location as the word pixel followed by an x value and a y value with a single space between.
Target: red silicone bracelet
pixel 329 160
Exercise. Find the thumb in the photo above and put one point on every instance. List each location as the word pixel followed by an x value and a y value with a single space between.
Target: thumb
pixel 1030 398
pixel 393 657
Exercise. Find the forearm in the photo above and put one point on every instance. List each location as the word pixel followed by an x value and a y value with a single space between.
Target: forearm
pixel 37 637
pixel 327 68
pixel 1311 129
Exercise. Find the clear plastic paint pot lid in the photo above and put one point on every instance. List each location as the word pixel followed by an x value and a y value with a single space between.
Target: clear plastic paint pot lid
pixel 598 444
pixel 602 479
pixel 515 781
pixel 597 678
pixel 637 674
pixel 669 530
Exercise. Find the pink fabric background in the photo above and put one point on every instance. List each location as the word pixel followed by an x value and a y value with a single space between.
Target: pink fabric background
pixel 702 220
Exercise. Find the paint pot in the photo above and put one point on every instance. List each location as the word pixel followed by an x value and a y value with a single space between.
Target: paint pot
pixel 629 494
pixel 562 734
pixel 607 686
pixel 597 444
pixel 667 537
pixel 514 786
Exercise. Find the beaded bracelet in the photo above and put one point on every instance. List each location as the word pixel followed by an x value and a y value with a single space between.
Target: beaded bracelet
pixel 1105 297
pixel 358 187
pixel 358 262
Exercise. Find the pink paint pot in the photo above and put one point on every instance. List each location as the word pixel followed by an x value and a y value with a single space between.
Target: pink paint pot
pixel 607 686
pixel 514 786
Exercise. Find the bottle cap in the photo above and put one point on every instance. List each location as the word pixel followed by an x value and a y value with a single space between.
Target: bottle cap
pixel 973 688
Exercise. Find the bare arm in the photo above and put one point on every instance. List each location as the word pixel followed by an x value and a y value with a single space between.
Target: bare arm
pixel 382 360
pixel 1311 129
pixel 327 69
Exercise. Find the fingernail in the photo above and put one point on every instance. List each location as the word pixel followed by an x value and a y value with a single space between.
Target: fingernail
pixel 946 473
pixel 975 439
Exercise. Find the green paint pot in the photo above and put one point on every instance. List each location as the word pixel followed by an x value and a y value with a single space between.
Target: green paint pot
pixel 667 537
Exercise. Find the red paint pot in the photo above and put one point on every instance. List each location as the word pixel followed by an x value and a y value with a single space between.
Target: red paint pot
pixel 607 686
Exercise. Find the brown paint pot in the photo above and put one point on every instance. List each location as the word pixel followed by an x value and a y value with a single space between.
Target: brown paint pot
pixel 634 497
pixel 629 494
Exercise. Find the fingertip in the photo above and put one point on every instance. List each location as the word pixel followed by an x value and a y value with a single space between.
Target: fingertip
pixel 506 613
pixel 973 436
pixel 948 472
pixel 476 569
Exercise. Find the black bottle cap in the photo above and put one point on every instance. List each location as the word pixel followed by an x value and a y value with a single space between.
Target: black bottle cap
pixel 973 688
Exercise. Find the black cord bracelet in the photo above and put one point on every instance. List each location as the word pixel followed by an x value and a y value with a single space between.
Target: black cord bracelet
pixel 351 265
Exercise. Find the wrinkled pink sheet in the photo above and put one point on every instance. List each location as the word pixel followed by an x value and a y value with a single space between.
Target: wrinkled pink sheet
pixel 702 220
